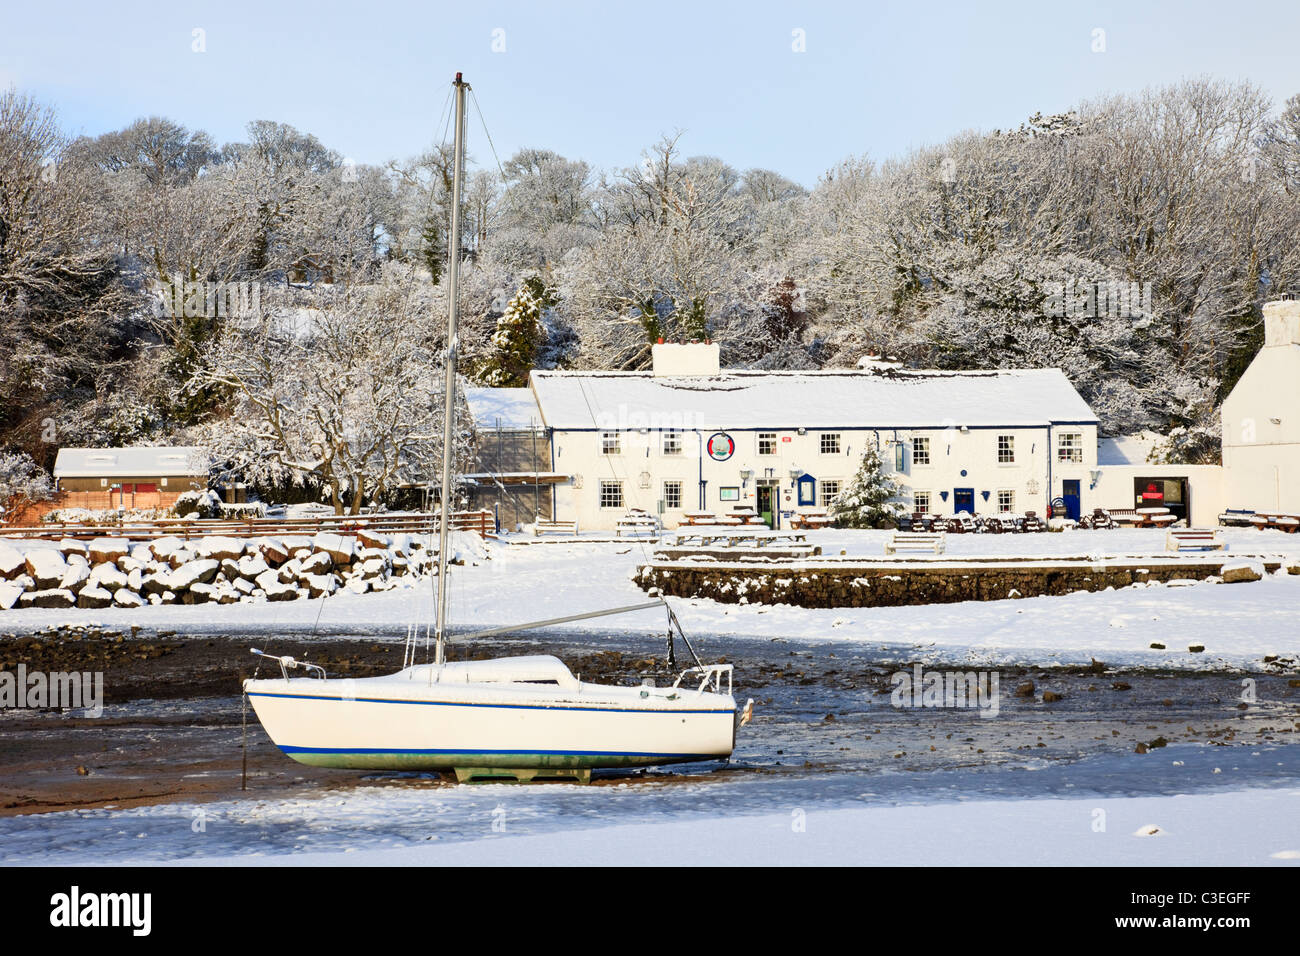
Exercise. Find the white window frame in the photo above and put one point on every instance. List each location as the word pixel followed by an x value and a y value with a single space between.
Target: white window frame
pixel 921 451
pixel 606 486
pixel 824 491
pixel 672 443
pixel 763 437
pixel 1007 453
pixel 677 487
pixel 833 440
pixel 1069 447
pixel 1006 500
pixel 917 507
pixel 611 443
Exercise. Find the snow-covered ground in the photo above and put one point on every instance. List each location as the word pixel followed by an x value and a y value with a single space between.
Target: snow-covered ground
pixel 1237 623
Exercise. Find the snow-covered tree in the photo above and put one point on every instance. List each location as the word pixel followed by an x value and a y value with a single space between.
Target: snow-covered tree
pixel 869 500
pixel 22 480
pixel 519 336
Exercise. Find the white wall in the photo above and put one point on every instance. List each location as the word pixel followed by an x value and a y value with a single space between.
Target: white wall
pixel 1115 489
pixel 642 468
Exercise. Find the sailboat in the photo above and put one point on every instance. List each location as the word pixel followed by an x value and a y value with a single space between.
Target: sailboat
pixel 517 718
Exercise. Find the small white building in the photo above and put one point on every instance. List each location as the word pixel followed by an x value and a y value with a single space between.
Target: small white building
pixel 1261 420
pixel 690 436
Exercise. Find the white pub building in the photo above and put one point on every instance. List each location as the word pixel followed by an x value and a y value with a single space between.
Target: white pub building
pixel 689 436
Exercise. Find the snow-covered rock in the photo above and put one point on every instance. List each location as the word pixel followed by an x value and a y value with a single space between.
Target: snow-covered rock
pixel 107 576
pixel 12 562
pixel 251 565
pixel 9 595
pixel 50 597
pixel 318 563
pixel 75 576
pixel 191 573
pixel 337 546
pixel 320 585
pixel 161 548
pixel 272 550
pixel 47 568
pixel 94 597
pixel 108 549
pixel 125 597
pixel 219 547
pixel 71 546
pixel 372 539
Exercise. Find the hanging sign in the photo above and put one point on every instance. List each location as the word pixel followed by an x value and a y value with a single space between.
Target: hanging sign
pixel 720 446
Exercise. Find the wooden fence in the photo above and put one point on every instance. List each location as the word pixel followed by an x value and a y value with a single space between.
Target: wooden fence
pixel 143 529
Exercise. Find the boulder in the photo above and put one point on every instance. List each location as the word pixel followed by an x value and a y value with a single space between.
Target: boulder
pixel 161 548
pixel 357 585
pixel 128 563
pixel 295 542
pixel 9 595
pixel 125 597
pixel 71 546
pixel 107 576
pixel 251 565
pixel 1236 573
pixel 337 546
pixel 229 568
pixel 371 568
pixel 142 554
pixel 180 556
pixel 318 563
pixel 135 579
pixel 75 576
pixel 94 597
pixel 244 586
pixel 200 593
pixel 372 539
pixel 219 547
pixel 268 579
pixel 50 597
pixel 281 592
pixel 191 573
pixel 155 582
pixel 12 562
pixel 320 585
pixel 108 549
pixel 47 568
pixel 272 550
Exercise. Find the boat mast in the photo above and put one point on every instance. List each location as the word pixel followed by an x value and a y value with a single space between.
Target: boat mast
pixel 449 387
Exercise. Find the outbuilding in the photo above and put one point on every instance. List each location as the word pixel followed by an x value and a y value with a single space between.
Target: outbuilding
pixel 144 477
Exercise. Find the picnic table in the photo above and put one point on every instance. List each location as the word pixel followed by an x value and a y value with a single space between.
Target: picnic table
pixel 730 536
pixel 1279 521
pixel 816 518
pixel 1154 517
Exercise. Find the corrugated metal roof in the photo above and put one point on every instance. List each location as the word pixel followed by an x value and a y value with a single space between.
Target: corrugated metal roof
pixel 142 462
pixel 512 408
pixel 787 400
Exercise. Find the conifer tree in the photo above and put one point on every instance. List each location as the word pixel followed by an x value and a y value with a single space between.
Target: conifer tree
pixel 868 501
pixel 519 336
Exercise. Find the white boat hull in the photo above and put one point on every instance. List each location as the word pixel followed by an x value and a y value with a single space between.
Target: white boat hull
pixel 409 722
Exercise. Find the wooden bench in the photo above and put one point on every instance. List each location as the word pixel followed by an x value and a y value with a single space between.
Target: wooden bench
pixel 1194 539
pixel 1236 518
pixel 731 536
pixel 916 541
pixel 811 519
pixel 542 526
pixel 637 522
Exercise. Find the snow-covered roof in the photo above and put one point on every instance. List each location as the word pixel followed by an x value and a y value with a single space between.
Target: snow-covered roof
pixel 144 462
pixel 1126 449
pixel 513 408
pixel 825 399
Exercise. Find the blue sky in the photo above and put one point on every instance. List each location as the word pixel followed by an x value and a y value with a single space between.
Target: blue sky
pixel 601 81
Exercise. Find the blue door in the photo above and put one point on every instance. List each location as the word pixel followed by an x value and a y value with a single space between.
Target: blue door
pixel 1070 492
pixel 963 499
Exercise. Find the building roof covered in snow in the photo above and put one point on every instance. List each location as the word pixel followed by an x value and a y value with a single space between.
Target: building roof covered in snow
pixel 143 462
pixel 821 399
pixel 509 408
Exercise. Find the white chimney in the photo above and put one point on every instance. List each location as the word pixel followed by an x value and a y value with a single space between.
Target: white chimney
pixel 694 358
pixel 1282 322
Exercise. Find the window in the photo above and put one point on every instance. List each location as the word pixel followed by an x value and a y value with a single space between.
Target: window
pixel 1006 501
pixel 672 443
pixel 831 443
pixel 1006 449
pixel 611 494
pixel 767 443
pixel 609 444
pixel 921 502
pixel 672 494
pixel 920 451
pixel 830 491
pixel 1069 446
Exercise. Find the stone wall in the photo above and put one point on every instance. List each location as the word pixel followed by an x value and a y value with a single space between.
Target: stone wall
pixel 880 584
